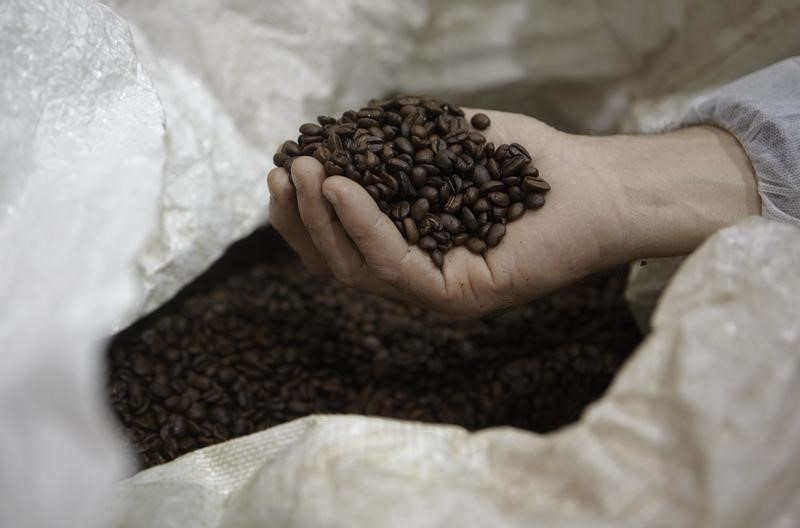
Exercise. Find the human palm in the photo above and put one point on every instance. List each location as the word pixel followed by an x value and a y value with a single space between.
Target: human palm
pixel 337 228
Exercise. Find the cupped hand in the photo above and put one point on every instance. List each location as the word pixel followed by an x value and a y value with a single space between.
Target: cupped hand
pixel 337 229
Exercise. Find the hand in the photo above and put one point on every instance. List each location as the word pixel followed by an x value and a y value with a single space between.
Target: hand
pixel 590 222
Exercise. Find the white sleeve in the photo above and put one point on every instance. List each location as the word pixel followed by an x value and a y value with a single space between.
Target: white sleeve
pixel 763 111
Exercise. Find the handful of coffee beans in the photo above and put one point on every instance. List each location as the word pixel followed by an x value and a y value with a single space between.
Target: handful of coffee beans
pixel 439 180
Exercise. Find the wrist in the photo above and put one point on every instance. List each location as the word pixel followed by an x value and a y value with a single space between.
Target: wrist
pixel 675 189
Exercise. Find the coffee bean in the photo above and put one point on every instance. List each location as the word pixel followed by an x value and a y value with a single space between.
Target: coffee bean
pixel 498 198
pixel 513 166
pixel 470 222
pixel 430 193
pixel 476 245
pixel 443 160
pixel 533 184
pixel 450 223
pixel 400 210
pixel 311 129
pixel 534 201
pixel 491 186
pixel 453 204
pixel 481 206
pixel 410 229
pixel 480 121
pixel 295 346
pixel 427 243
pixel 437 258
pixel 515 211
pixel 418 176
pixel 495 234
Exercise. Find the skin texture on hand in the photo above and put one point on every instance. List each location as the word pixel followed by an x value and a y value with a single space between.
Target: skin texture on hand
pixel 597 215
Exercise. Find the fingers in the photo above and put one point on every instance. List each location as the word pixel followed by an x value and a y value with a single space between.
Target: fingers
pixel 386 252
pixel 285 217
pixel 319 219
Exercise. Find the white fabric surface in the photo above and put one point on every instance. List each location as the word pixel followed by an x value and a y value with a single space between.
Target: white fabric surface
pixel 763 111
pixel 81 153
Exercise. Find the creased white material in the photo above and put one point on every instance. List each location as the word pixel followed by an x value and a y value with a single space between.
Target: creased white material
pixel 236 78
pixel 700 429
pixel 763 111
pixel 81 154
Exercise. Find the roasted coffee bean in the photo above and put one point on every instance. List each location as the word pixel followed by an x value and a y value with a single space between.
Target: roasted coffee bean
pixel 453 204
pixel 495 233
pixel 515 211
pixel 515 194
pixel 460 238
pixel 480 121
pixel 470 222
pixel 471 195
pixel 498 198
pixel 481 206
pixel 476 245
pixel 513 166
pixel 437 258
pixel 293 347
pixel 491 186
pixel 400 210
pixel 450 223
pixel 418 176
pixel 411 232
pixel 427 243
pixel 415 147
pixel 534 201
pixel 311 129
pixel 441 237
pixel 533 184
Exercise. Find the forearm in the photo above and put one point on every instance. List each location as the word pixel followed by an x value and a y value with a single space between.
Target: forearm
pixel 676 189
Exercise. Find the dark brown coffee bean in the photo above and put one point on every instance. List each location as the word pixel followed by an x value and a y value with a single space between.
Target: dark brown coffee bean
pixel 515 194
pixel 437 258
pixel 280 158
pixel 491 186
pixel 534 201
pixel 480 121
pixel 471 195
pixel 430 193
pixel 493 168
pixel 404 145
pixel 331 169
pixel 291 148
pixel 396 165
pixel 499 214
pixel 476 245
pixel 418 176
pixel 495 234
pixel 460 239
pixel 410 229
pixel 400 210
pixel 483 218
pixel 441 237
pixel 513 166
pixel 311 129
pixel 501 152
pixel 517 149
pixel 450 223
pixel 483 230
pixel 535 184
pixel 481 206
pixel 453 204
pixel 427 243
pixel 443 160
pixel 326 120
pixel 498 198
pixel 515 211
pixel 530 170
pixel 470 222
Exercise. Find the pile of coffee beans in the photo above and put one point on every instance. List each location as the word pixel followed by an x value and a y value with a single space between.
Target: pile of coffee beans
pixel 441 182
pixel 256 342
